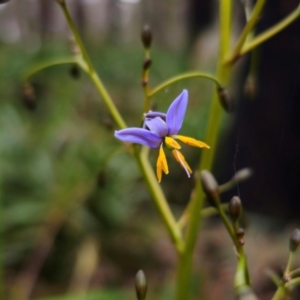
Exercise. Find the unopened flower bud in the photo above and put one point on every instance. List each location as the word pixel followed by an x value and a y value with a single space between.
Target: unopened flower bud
pixel 210 187
pixel 295 240
pixel 75 71
pixel 146 37
pixel 235 208
pixel 250 87
pixel 147 63
pixel 243 174
pixel 140 285
pixel 28 95
pixel 225 99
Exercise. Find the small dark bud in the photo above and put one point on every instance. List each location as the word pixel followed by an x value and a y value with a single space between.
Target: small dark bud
pixel 140 285
pixel 144 82
pixel 101 179
pixel 147 63
pixel 153 106
pixel 75 71
pixel 146 37
pixel 3 1
pixel 28 95
pixel 240 233
pixel 295 240
pixel 250 87
pixel 243 175
pixel 108 123
pixel 225 99
pixel 235 208
pixel 210 187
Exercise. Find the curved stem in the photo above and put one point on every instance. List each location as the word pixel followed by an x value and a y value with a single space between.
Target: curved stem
pixel 204 213
pixel 182 77
pixel 293 282
pixel 87 66
pixel 47 64
pixel 75 33
pixel 271 31
pixel 247 29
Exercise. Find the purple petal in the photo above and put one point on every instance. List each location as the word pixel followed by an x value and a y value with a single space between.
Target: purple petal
pixel 176 112
pixel 157 126
pixel 152 114
pixel 139 136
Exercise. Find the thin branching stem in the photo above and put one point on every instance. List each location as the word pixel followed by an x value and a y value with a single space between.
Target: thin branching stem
pixel 181 77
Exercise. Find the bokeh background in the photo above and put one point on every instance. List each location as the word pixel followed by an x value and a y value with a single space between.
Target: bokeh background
pixel 77 219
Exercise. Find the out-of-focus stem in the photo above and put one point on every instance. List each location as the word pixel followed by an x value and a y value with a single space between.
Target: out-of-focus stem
pixel 247 30
pixel 75 33
pixel 184 268
pixel 185 260
pixel 280 293
pixel 271 31
pixel 39 67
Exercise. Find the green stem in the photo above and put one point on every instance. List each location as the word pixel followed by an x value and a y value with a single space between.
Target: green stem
pixel 76 34
pixel 182 77
pixel 184 270
pixel 185 259
pixel 91 71
pixel 204 213
pixel 155 189
pixel 39 67
pixel 280 293
pixel 293 282
pixel 159 199
pixel 271 31
pixel 294 273
pixel 107 99
pixel 247 30
pixel 230 230
pixel 289 263
pixel 247 8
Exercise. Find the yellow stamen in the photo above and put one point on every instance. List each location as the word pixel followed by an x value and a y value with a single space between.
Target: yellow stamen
pixel 180 158
pixel 161 164
pixel 191 142
pixel 171 143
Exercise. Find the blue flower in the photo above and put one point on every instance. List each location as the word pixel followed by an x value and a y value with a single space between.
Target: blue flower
pixel 160 130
